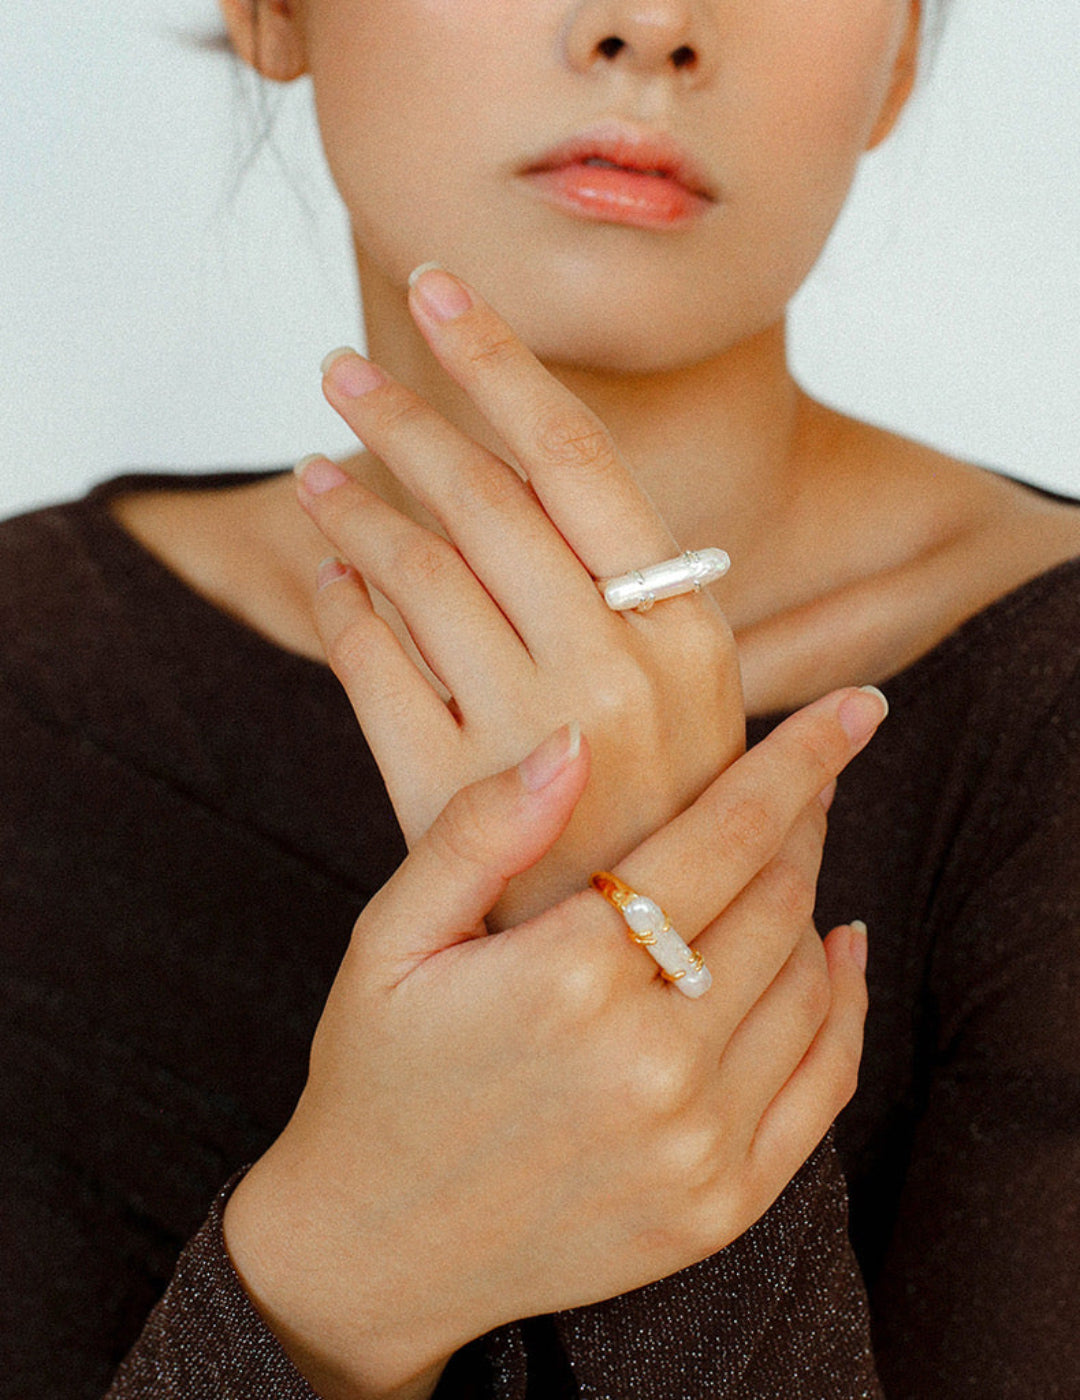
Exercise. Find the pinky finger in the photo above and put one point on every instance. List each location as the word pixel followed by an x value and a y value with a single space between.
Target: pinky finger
pixel 399 711
pixel 802 1112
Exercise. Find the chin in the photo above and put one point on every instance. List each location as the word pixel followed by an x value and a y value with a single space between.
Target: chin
pixel 609 338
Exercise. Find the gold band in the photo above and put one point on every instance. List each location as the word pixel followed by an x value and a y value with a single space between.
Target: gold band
pixel 650 928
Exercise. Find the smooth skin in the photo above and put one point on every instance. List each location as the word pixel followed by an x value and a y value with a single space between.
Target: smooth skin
pixel 500 1126
pixel 854 551
pixel 505 611
pixel 536 1092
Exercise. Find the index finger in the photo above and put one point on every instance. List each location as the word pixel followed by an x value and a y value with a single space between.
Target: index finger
pixel 696 865
pixel 565 450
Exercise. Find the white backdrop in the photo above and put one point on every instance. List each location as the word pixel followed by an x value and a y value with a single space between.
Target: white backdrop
pixel 147 321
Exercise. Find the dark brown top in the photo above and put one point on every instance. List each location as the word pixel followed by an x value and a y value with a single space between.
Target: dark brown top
pixel 189 823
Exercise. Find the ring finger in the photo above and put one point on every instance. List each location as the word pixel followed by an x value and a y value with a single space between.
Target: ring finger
pixel 425 578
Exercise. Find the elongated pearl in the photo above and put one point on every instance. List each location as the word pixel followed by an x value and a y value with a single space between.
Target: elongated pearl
pixel 679 961
pixel 683 574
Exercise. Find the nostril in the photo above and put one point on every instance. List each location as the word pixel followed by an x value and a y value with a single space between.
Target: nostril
pixel 684 57
pixel 610 47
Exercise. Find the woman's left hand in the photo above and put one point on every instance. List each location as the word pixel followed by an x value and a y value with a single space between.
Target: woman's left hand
pixel 504 609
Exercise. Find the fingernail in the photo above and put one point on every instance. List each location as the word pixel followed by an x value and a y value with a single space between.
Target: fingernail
pixel 545 763
pixel 318 474
pixel 442 296
pixel 826 795
pixel 861 713
pixel 858 943
pixel 329 571
pixel 350 374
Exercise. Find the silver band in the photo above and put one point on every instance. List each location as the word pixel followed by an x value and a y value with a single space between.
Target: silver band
pixel 686 573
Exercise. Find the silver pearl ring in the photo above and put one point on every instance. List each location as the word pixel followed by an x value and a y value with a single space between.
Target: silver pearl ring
pixel 686 573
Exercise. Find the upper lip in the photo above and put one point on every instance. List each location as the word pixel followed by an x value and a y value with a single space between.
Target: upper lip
pixel 631 147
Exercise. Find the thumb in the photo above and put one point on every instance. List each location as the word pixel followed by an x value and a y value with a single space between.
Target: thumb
pixel 486 834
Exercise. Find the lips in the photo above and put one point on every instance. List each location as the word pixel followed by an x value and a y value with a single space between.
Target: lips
pixel 617 145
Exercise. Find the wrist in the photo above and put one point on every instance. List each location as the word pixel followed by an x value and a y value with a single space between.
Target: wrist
pixel 323 1315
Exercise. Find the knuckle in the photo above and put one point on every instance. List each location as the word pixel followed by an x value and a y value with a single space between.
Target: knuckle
pixel 462 833
pixel 659 1081
pixel 419 561
pixel 719 1216
pixel 402 410
pixel 620 690
pixel 491 347
pixel 749 824
pixel 792 892
pixel 490 492
pixel 687 1156
pixel 582 986
pixel 573 438
pixel 345 650
pixel 816 758
pixel 812 991
pixel 705 642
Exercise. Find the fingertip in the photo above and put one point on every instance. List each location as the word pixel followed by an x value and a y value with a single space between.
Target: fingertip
pixel 861 711
pixel 330 570
pixel 858 946
pixel 848 942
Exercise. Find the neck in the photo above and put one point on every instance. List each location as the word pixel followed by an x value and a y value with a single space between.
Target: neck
pixel 718 444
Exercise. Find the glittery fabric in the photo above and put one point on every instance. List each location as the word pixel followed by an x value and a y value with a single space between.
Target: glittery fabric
pixel 189 823
pixel 780 1312
pixel 204 1339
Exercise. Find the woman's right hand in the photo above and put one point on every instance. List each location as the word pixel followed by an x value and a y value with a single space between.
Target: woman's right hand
pixel 496 1127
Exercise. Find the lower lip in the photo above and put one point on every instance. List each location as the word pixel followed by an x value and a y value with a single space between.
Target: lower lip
pixel 621 196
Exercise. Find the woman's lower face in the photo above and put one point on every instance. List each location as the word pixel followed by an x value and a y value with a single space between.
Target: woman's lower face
pixel 431 112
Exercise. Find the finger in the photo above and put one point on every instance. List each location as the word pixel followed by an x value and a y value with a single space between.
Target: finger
pixel 752 941
pixel 487 833
pixel 425 579
pixel 492 516
pixel 771 1040
pixel 696 865
pixel 403 719
pixel 566 451
pixel 825 1080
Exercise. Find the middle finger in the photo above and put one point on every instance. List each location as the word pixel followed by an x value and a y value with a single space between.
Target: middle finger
pixel 561 444
pixel 491 515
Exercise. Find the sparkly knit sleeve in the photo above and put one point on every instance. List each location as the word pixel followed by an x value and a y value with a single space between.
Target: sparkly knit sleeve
pixel 781 1312
pixel 204 1338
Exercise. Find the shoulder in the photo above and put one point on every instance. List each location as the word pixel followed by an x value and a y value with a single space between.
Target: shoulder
pixel 83 612
pixel 51 587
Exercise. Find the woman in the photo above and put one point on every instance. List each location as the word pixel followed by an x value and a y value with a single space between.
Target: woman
pixel 533 1126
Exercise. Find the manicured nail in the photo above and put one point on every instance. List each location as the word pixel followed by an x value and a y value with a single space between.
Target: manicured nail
pixel 318 474
pixel 858 943
pixel 442 296
pixel 545 763
pixel 329 571
pixel 350 374
pixel 861 713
